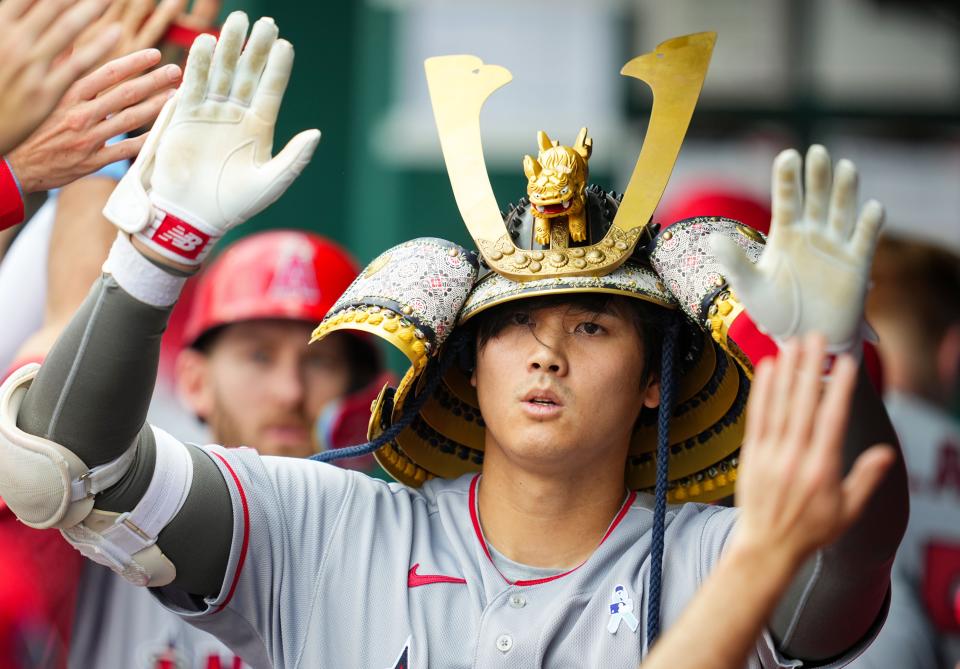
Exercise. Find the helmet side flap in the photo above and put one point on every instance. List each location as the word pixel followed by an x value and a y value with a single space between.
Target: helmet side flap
pixel 409 295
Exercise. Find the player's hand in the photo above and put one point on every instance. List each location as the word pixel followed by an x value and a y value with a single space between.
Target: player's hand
pixel 792 493
pixel 70 144
pixel 143 23
pixel 206 165
pixel 813 273
pixel 202 15
pixel 32 78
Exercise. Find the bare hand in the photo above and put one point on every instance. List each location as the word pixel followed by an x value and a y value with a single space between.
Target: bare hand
pixel 203 14
pixel 791 490
pixel 32 78
pixel 71 143
pixel 143 24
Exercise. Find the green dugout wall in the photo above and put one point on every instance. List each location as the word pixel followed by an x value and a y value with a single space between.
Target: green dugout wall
pixel 342 83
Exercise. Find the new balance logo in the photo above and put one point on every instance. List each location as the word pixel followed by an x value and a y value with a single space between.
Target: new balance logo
pixel 180 237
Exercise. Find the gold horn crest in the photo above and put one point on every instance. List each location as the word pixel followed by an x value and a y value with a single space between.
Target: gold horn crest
pixel 459 85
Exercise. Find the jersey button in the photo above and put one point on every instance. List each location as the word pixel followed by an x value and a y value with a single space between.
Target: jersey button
pixel 517 601
pixel 504 643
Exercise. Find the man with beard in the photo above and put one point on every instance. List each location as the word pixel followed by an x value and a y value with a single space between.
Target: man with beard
pixel 246 369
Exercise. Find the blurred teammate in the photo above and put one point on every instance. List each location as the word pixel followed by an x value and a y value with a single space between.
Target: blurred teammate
pixel 915 308
pixel 246 369
pixel 54 129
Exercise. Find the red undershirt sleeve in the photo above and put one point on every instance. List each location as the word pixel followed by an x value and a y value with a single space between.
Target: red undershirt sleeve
pixel 11 198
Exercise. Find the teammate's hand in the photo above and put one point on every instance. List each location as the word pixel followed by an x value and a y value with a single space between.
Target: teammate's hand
pixel 32 78
pixel 791 491
pixel 143 23
pixel 70 144
pixel 813 273
pixel 206 165
pixel 202 15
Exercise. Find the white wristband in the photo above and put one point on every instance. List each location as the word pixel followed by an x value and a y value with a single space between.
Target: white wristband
pixel 139 277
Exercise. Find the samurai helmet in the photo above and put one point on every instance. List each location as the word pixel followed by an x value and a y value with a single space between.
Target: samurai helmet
pixel 565 237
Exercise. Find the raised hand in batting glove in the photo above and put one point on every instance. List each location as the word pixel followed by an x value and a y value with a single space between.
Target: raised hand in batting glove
pixel 813 272
pixel 207 164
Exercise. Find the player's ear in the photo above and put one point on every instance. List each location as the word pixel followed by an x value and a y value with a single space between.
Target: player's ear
pixel 193 384
pixel 650 392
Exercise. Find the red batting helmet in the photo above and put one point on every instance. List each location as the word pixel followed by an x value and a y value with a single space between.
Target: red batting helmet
pixel 714 199
pixel 287 274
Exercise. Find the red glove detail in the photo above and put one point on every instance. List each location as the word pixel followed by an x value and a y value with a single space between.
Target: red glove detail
pixel 757 346
pixel 754 344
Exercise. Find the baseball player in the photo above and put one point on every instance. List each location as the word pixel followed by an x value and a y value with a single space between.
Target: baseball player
pixel 246 368
pixel 247 371
pixel 522 431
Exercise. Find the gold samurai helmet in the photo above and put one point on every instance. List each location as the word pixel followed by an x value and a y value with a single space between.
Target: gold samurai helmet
pixel 566 237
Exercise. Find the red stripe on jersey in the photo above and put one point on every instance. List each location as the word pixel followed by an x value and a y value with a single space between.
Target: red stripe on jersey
pixel 623 511
pixel 246 533
pixel 475 518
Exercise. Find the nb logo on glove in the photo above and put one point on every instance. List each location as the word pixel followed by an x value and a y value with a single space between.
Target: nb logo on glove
pixel 180 237
pixel 183 240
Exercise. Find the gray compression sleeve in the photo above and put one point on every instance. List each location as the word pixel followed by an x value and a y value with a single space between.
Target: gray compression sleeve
pixel 834 601
pixel 91 396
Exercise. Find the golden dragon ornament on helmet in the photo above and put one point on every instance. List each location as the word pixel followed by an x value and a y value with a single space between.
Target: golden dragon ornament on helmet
pixel 565 237
pixel 557 184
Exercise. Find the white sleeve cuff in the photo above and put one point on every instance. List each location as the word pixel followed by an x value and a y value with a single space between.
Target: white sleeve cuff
pixel 139 277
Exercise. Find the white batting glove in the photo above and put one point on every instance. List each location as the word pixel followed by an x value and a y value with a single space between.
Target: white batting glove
pixel 813 274
pixel 206 165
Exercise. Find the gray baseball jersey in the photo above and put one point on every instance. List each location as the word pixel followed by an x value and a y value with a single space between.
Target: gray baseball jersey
pixel 119 625
pixel 331 568
pixel 923 631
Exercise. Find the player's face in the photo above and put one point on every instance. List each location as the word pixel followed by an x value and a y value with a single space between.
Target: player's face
pixel 561 387
pixel 262 385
